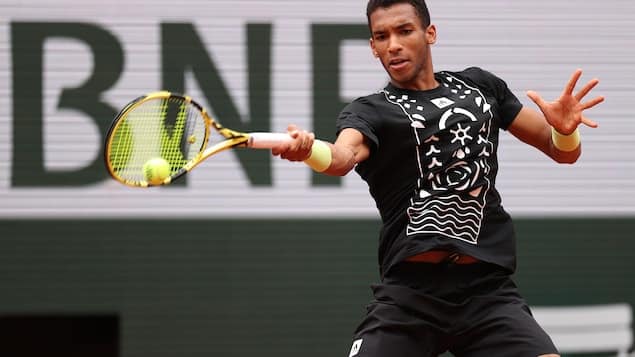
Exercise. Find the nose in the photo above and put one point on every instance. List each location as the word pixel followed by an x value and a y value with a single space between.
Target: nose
pixel 394 45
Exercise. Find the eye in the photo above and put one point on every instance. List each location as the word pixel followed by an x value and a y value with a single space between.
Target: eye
pixel 406 31
pixel 380 36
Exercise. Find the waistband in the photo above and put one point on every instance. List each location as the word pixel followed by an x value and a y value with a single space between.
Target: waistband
pixel 442 257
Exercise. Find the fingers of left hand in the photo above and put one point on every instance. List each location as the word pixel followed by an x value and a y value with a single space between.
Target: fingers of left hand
pixel 536 98
pixel 592 103
pixel 573 81
pixel 587 88
pixel 588 122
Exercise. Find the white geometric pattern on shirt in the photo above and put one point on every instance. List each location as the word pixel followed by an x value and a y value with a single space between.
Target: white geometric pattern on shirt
pixel 451 205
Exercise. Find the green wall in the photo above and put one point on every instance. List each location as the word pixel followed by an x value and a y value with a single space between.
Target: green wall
pixel 265 287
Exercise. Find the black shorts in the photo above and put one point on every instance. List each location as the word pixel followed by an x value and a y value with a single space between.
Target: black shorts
pixel 474 310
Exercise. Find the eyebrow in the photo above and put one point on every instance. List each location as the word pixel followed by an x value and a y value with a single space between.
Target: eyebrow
pixel 400 26
pixel 405 24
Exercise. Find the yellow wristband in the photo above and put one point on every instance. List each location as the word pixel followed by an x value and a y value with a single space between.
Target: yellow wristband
pixel 321 156
pixel 565 142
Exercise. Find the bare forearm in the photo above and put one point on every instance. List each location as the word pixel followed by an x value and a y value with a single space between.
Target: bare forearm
pixel 531 127
pixel 349 149
pixel 563 156
pixel 343 160
pixel 546 145
pixel 336 159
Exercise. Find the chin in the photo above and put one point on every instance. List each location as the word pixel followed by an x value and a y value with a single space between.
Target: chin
pixel 402 81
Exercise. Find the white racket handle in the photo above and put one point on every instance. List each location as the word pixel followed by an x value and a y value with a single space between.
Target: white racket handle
pixel 267 140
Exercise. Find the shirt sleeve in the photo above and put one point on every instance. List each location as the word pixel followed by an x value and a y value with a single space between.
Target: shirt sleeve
pixel 361 116
pixel 508 104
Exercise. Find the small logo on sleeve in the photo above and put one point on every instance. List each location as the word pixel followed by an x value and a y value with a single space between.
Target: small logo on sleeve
pixel 357 344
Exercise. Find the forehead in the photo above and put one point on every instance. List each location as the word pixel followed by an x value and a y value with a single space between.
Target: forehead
pixel 394 16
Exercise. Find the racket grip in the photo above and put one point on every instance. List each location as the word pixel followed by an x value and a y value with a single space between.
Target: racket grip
pixel 267 140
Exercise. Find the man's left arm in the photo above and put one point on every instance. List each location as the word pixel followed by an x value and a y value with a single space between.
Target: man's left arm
pixel 555 130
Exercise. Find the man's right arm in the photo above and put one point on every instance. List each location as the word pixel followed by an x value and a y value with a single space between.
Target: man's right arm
pixel 349 149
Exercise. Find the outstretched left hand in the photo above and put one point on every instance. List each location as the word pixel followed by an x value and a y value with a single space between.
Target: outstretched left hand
pixel 566 113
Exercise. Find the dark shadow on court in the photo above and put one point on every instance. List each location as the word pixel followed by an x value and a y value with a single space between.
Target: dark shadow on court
pixel 59 335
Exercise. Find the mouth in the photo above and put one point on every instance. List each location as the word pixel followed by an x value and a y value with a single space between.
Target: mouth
pixel 397 63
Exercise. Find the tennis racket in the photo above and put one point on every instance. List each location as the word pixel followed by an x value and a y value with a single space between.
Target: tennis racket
pixel 176 131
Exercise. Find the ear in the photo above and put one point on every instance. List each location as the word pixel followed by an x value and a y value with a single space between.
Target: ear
pixel 431 35
pixel 372 47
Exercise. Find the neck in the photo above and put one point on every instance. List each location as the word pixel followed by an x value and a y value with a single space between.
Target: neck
pixel 419 85
pixel 423 81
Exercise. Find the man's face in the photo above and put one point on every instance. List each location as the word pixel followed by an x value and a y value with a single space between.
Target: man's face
pixel 401 43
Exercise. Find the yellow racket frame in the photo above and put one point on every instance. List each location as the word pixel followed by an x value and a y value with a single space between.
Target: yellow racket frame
pixel 234 138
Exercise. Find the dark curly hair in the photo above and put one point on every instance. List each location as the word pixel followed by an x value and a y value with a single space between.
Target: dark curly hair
pixel 420 7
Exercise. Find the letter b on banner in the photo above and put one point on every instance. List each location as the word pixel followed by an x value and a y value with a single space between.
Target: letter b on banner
pixel 28 40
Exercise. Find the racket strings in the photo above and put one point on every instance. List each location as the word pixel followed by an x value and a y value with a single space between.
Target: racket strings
pixel 167 128
pixel 172 135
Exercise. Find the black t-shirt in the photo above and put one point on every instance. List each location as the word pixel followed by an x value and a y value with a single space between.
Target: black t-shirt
pixel 433 164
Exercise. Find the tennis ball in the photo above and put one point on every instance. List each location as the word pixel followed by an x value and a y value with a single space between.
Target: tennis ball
pixel 156 170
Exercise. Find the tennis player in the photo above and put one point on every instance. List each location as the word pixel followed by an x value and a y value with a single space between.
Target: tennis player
pixel 427 147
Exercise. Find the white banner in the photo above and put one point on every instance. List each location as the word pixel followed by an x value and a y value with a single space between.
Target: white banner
pixel 532 45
